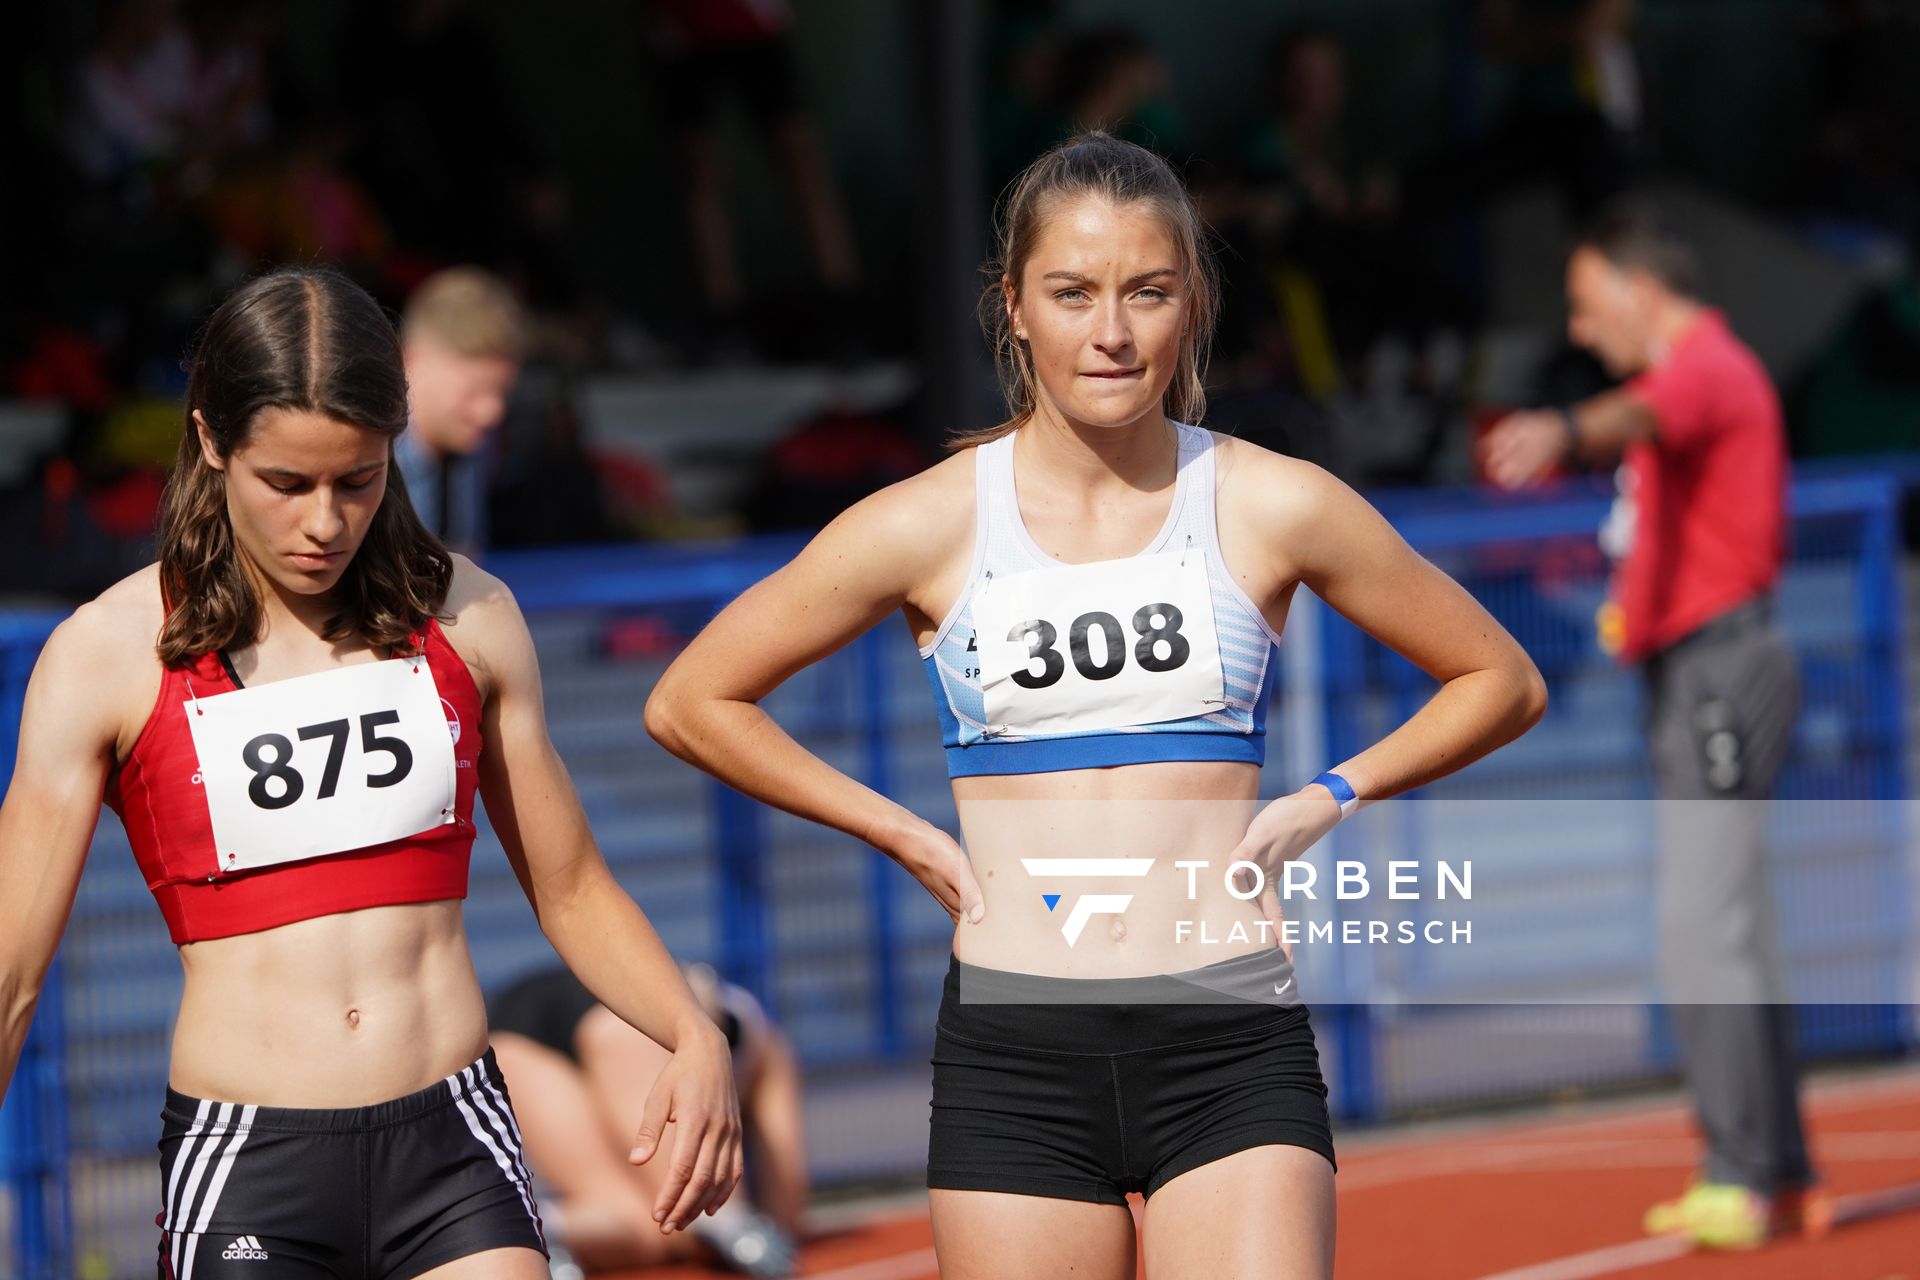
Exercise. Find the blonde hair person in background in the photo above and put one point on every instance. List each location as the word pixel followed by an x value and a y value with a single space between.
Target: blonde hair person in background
pixel 463 335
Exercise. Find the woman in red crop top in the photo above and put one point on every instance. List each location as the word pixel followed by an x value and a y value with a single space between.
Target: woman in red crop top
pixel 1054 1098
pixel 292 712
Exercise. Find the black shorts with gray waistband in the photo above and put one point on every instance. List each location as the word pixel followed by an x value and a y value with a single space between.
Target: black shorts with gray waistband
pixel 1090 1088
pixel 383 1192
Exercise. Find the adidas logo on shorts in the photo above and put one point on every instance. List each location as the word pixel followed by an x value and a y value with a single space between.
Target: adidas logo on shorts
pixel 244 1249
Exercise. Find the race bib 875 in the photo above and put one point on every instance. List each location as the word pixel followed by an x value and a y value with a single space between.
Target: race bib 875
pixel 326 763
pixel 1107 645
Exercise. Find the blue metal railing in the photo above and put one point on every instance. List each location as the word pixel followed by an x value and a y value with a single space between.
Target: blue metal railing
pixel 844 948
pixel 33 1119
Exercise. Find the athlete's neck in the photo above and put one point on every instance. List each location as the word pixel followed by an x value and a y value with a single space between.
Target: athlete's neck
pixel 291 612
pixel 1143 455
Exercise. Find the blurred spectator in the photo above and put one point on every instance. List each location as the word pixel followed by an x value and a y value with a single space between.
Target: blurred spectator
pixel 1573 112
pixel 1322 218
pixel 579 1075
pixel 1863 393
pixel 704 52
pixel 1700 534
pixel 301 204
pixel 1020 112
pixel 462 335
pixel 1112 78
pixel 436 141
pixel 826 465
pixel 550 490
pixel 135 92
pixel 1863 167
pixel 1301 146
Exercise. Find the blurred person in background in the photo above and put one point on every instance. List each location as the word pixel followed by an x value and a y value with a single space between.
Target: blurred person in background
pixel 1698 533
pixel 437 137
pixel 1862 395
pixel 706 51
pixel 463 335
pixel 1322 218
pixel 576 1066
pixel 1574 110
pixel 135 92
pixel 1112 79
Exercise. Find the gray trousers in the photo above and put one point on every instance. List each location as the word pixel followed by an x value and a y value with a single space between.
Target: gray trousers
pixel 1723 702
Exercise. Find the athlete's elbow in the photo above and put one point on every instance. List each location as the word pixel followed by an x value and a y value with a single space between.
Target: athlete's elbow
pixel 672 717
pixel 665 719
pixel 1530 696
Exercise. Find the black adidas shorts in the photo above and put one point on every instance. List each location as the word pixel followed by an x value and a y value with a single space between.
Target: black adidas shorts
pixel 367 1193
pixel 1090 1088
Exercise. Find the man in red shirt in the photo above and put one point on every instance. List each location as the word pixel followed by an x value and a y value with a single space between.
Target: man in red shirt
pixel 1698 535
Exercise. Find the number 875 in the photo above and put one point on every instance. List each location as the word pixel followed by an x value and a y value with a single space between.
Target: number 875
pixel 293 785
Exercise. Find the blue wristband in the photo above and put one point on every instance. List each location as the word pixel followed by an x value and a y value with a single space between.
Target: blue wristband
pixel 1343 793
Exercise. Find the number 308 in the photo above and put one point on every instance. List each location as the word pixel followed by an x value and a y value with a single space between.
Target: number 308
pixel 1154 624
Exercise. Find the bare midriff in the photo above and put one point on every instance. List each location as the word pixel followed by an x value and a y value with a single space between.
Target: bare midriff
pixel 1175 918
pixel 344 1010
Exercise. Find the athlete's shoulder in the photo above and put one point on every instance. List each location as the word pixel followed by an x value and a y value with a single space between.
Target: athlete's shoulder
pixel 929 500
pixel 480 614
pixel 926 513
pixel 121 625
pixel 474 592
pixel 1267 486
pixel 100 662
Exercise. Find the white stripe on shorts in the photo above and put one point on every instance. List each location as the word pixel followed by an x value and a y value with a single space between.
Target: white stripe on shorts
pixel 181 1159
pixel 479 1130
pixel 517 1145
pixel 240 1132
pixel 183 1207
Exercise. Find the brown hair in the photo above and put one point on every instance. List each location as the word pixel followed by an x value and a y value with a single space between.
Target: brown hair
pixel 1095 164
pixel 1637 236
pixel 313 341
pixel 469 310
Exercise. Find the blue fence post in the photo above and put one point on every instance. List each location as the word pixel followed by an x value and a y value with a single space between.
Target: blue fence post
pixel 1343 676
pixel 33 1120
pixel 740 831
pixel 1882 625
pixel 33 1146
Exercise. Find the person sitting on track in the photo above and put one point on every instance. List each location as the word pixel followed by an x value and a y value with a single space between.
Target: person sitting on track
pixel 575 1066
pixel 292 713
pixel 1096 588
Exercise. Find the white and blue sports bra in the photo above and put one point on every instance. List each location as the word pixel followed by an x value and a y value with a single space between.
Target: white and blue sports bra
pixel 1042 666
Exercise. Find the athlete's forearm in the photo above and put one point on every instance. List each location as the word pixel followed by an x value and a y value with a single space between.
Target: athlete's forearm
pixel 43 846
pixel 741 745
pixel 1472 714
pixel 611 946
pixel 1604 425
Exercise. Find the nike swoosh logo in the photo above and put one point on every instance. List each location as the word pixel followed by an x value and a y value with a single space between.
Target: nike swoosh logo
pixel 1280 988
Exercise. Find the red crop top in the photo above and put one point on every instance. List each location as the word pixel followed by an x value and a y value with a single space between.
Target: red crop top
pixel 158 796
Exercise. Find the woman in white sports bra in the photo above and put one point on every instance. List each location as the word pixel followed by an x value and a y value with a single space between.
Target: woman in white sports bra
pixel 1096 588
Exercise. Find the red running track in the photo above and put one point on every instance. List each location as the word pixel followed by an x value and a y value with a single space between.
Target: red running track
pixel 1553 1197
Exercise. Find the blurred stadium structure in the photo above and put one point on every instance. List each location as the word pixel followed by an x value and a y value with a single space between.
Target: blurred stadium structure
pixel 1369 334
pixel 848 952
